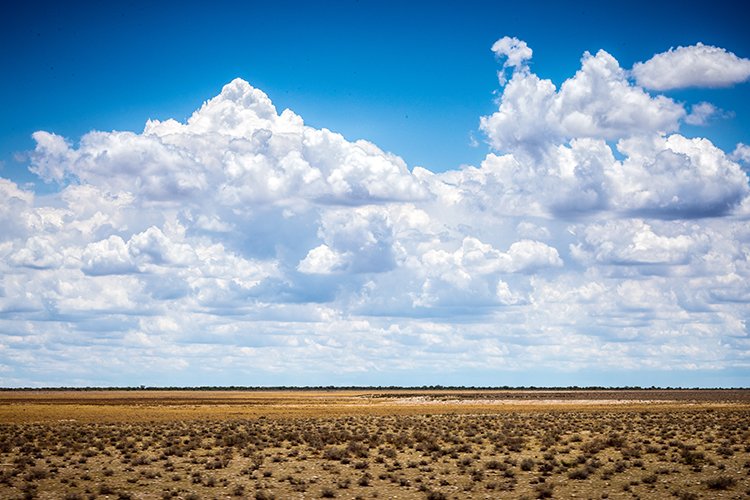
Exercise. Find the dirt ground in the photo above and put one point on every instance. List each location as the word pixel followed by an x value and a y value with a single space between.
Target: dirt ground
pixel 375 444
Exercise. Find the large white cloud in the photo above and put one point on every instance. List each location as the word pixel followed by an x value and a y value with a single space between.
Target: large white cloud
pixel 677 176
pixel 561 158
pixel 693 66
pixel 599 102
pixel 235 147
pixel 245 245
pixel 635 242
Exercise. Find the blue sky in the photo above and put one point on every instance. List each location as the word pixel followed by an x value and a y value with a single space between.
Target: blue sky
pixel 413 77
pixel 583 221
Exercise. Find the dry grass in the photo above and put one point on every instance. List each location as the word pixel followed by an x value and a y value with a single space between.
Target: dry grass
pixel 363 445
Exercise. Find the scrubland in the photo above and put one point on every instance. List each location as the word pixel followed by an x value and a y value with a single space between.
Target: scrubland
pixel 407 444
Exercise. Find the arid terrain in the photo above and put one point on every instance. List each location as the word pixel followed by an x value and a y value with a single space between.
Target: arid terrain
pixel 680 444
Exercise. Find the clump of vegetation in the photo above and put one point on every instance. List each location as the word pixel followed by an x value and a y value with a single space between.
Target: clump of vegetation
pixel 720 482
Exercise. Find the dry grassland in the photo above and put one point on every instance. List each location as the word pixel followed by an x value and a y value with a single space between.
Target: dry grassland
pixel 389 444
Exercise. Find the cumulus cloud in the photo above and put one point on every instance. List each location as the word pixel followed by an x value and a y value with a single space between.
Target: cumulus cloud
pixel 235 147
pixel 635 242
pixel 741 153
pixel 515 52
pixel 677 176
pixel 472 273
pixel 700 113
pixel 320 260
pixel 598 102
pixel 244 244
pixel 560 143
pixel 692 66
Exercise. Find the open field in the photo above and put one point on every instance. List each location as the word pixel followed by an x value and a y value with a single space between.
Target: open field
pixel 375 444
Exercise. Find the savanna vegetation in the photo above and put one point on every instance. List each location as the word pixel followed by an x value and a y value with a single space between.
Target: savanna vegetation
pixel 392 444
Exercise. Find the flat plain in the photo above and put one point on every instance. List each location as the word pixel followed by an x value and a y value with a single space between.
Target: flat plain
pixel 433 444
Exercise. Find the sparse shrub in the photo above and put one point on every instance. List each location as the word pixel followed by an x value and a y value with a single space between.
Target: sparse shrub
pixel 263 495
pixel 36 473
pixel 477 475
pixel 725 451
pixel 543 490
pixel 579 474
pixel 650 479
pixel 692 457
pixel 436 495
pixel 105 489
pixel 416 452
pixel 495 465
pixel 335 453
pixel 720 482
pixel 141 460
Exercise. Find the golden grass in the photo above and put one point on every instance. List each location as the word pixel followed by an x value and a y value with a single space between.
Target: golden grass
pixel 144 406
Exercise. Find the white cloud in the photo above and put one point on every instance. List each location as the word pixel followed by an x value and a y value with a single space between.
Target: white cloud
pixel 677 176
pixel 38 252
pixel 528 255
pixel 741 153
pixel 634 242
pixel 245 243
pixel 52 154
pixel 110 256
pixel 530 230
pixel 598 103
pixel 515 52
pixel 236 148
pixel 700 113
pixel 692 66
pixel 320 260
pixel 359 240
pixel 15 204
pixel 561 162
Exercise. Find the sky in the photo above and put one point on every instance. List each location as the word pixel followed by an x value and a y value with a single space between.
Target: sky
pixel 370 193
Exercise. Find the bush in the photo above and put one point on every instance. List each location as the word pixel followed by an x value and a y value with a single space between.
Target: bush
pixel 105 489
pixel 263 495
pixel 579 474
pixel 720 482
pixel 436 495
pixel 334 453
pixel 543 490
pixel 494 465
